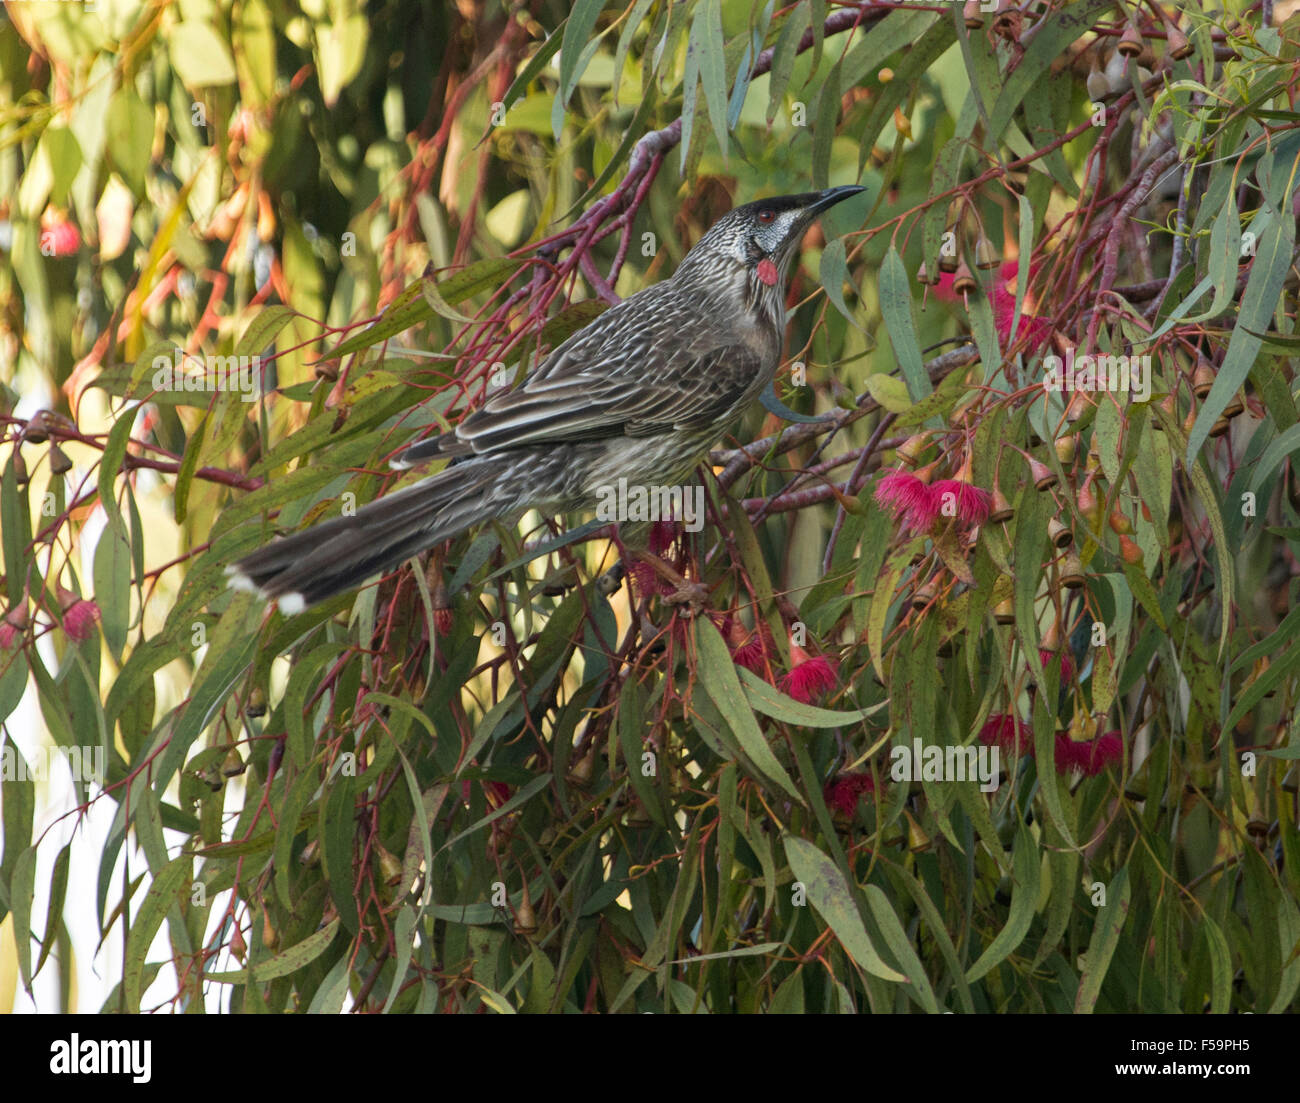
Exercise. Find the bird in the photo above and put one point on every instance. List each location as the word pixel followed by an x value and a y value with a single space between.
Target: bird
pixel 640 393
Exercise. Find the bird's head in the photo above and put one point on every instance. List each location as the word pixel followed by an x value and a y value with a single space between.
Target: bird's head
pixel 762 236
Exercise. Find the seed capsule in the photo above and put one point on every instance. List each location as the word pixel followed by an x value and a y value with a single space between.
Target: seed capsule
pixel 1059 534
pixel 1130 42
pixel 1179 46
pixel 1202 379
pixel 1002 510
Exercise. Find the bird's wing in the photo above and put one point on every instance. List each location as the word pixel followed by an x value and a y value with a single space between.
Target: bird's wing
pixel 657 392
pixel 638 369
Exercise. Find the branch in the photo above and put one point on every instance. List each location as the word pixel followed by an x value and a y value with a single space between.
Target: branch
pixel 735 462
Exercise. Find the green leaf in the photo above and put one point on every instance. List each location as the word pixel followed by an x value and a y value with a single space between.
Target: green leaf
pixel 1220 965
pixel 231 649
pixel 630 26
pixel 770 701
pixel 1105 937
pixel 13 680
pixel 890 392
pixel 824 127
pixel 22 889
pixel 577 30
pixel 163 894
pixel 1258 303
pixel 896 310
pixel 1053 34
pixel 263 330
pixel 1209 500
pixel 439 305
pixel 926 48
pixel 129 148
pixel 784 54
pixel 721 684
pixel 940 403
pixel 289 961
pixel 112 577
pixel 713 66
pixel 200 56
pixel 834 272
pixel 901 946
pixel 828 892
pixel 54 903
pixel 410 308
pixel 1024 898
pixel 947 169
pixel 337 831
pixel 110 465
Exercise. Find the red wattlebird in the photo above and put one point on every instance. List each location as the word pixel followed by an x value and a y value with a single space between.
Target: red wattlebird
pixel 641 393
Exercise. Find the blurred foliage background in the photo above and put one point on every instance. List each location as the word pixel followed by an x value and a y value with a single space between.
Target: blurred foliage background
pixel 497 781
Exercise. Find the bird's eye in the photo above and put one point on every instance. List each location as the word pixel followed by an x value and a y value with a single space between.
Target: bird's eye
pixel 766 215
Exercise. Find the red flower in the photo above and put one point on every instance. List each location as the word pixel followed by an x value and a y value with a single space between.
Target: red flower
pixel 844 793
pixel 749 647
pixel 60 239
pixel 1012 735
pixel 498 792
pixel 810 675
pixel 79 619
pixel 1036 331
pixel 752 655
pixel 1065 755
pixel 1096 755
pixel 1091 756
pixel 1046 658
pixel 969 504
pixel 910 500
pixel 663 534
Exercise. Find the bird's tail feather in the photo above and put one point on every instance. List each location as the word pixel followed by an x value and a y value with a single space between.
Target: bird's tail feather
pixel 341 553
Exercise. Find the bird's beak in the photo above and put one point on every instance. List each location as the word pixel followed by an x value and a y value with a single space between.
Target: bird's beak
pixel 830 197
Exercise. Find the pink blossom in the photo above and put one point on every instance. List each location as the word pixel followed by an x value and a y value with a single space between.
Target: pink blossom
pixel 1066 759
pixel 844 793
pixel 663 534
pixel 810 675
pixel 1035 331
pixel 1095 755
pixel 1090 756
pixel 60 239
pixel 910 500
pixel 748 647
pixel 969 504
pixel 1046 658
pixel 1007 732
pixel 79 619
pixel 9 636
